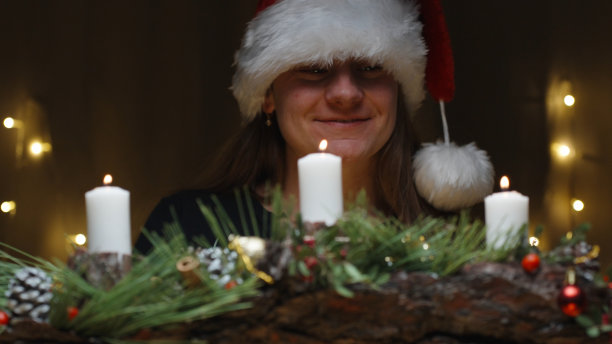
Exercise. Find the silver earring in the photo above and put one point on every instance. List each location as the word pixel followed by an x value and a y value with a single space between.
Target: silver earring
pixel 268 119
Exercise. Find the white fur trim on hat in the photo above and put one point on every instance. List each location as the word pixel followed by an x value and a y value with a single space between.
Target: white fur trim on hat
pixel 293 32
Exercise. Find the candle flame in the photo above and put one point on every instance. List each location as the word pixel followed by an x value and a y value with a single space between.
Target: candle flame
pixel 323 145
pixel 108 179
pixel 504 183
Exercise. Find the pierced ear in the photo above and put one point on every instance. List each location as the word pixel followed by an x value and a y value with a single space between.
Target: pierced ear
pixel 268 105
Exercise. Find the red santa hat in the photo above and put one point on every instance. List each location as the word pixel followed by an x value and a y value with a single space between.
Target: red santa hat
pixel 286 33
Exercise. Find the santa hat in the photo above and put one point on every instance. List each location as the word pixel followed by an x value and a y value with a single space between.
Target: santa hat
pixel 286 33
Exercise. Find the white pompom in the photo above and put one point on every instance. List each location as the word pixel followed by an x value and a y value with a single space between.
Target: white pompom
pixel 451 177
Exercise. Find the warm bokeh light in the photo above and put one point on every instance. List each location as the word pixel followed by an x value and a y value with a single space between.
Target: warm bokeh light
pixel 9 122
pixel 577 205
pixel 323 145
pixel 504 183
pixel 37 148
pixel 533 241
pixel 80 239
pixel 561 150
pixel 426 246
pixel 569 100
pixel 8 206
pixel 564 151
pixel 108 179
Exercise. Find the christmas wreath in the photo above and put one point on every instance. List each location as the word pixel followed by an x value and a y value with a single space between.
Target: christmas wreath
pixel 177 288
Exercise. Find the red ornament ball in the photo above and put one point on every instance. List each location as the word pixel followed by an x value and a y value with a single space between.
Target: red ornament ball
pixel 230 285
pixel 309 241
pixel 4 318
pixel 311 262
pixel 571 300
pixel 531 262
pixel 72 312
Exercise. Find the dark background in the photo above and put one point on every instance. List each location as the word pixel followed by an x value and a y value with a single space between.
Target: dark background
pixel 139 89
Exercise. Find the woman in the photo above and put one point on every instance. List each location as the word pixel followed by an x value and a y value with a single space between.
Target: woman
pixel 351 72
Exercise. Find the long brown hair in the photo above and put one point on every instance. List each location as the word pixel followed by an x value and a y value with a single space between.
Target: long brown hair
pixel 393 182
pixel 256 156
pixel 252 157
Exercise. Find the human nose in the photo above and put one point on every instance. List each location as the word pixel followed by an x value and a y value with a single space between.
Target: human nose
pixel 343 90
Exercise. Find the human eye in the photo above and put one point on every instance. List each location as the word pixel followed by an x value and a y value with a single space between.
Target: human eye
pixel 312 69
pixel 371 68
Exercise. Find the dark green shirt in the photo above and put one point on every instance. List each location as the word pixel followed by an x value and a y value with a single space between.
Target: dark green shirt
pixel 183 207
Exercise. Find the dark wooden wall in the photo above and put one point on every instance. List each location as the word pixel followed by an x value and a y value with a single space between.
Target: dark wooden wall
pixel 139 89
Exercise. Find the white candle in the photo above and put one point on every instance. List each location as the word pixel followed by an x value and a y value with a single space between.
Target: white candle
pixel 108 219
pixel 506 213
pixel 320 179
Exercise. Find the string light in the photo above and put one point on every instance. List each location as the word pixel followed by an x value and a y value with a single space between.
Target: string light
pixel 8 206
pixel 564 151
pixel 533 241
pixel 569 100
pixel 37 148
pixel 12 123
pixel 80 239
pixel 577 205
pixel 561 150
pixel 9 123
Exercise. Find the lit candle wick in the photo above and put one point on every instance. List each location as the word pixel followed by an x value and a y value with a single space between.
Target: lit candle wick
pixel 108 179
pixel 323 145
pixel 504 183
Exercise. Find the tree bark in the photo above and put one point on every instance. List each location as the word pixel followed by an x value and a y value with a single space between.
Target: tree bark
pixel 483 303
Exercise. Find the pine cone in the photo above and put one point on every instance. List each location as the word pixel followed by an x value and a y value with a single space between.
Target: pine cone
pixel 581 255
pixel 586 260
pixel 276 258
pixel 29 294
pixel 220 264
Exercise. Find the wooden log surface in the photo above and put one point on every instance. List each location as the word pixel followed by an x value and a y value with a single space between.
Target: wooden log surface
pixel 483 303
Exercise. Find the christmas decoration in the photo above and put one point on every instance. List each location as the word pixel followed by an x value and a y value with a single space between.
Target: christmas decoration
pixel 251 250
pixel 450 177
pixel 103 269
pixel 151 295
pixel 571 298
pixel 309 241
pixel 4 318
pixel 531 262
pixel 72 312
pixel 221 265
pixel 230 284
pixel 29 294
pixel 413 307
pixel 467 171
pixel 187 266
pixel 574 251
pixel 399 277
pixel 288 33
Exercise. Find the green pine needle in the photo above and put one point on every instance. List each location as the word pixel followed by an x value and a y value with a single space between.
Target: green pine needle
pixel 359 248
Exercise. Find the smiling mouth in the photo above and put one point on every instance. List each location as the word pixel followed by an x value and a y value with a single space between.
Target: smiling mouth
pixel 348 121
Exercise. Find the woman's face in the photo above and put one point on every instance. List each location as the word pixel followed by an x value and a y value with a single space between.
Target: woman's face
pixel 351 104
